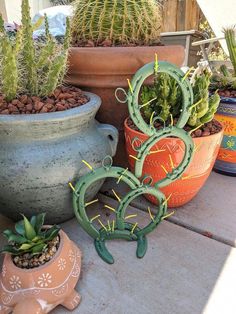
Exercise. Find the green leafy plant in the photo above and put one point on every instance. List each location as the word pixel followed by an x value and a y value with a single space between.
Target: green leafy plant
pixel 164 99
pixel 225 78
pixel 28 66
pixel 121 22
pixel 29 236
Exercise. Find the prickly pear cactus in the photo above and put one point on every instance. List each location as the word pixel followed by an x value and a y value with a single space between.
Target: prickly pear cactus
pixel 120 228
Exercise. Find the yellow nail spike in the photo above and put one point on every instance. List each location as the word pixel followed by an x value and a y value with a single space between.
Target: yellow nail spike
pixel 164 169
pixel 151 119
pixel 147 103
pixel 187 74
pixel 171 162
pixel 104 227
pixel 113 225
pixel 198 127
pixel 111 208
pixel 130 216
pixel 134 227
pixel 168 215
pixel 109 226
pixel 131 156
pixel 156 63
pixel 150 214
pixel 94 218
pixel 116 195
pixel 87 164
pixel 156 151
pixel 71 186
pixel 90 203
pixel 121 176
pixel 172 120
pixel 166 201
pixel 130 86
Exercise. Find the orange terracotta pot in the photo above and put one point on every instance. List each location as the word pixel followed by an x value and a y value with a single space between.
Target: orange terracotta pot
pixel 102 69
pixel 184 189
pixel 39 290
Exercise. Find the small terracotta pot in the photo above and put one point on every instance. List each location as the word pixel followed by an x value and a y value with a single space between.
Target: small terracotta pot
pixel 226 159
pixel 184 189
pixel 102 69
pixel 39 290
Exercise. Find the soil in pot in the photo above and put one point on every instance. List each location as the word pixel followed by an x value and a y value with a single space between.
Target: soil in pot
pixel 207 129
pixel 27 260
pixel 63 98
pixel 227 93
pixel 170 152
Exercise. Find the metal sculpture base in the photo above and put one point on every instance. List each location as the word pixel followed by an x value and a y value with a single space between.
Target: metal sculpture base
pixel 120 234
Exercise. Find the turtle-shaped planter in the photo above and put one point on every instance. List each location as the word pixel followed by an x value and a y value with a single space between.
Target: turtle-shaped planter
pixel 39 290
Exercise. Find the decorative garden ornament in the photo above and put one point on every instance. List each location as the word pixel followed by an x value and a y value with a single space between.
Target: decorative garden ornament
pixel 120 228
pixel 41 289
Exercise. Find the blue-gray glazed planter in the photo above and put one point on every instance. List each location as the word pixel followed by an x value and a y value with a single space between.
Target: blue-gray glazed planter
pixel 40 154
pixel 226 114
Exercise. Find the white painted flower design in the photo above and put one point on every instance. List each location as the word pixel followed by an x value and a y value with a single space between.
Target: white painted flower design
pixel 71 256
pixel 4 270
pixel 15 282
pixel 45 280
pixel 61 264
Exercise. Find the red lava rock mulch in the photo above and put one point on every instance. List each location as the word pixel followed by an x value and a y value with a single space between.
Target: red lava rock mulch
pixel 207 129
pixel 63 98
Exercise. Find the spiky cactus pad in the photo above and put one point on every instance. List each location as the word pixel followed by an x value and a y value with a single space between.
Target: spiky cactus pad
pixel 120 228
pixel 120 21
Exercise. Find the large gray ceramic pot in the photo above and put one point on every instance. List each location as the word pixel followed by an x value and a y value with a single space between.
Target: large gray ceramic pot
pixel 40 154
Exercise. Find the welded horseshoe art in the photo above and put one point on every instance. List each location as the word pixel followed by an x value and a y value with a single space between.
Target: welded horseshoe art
pixel 120 228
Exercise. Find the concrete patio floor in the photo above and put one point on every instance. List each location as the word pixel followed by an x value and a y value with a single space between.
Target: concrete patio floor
pixel 183 272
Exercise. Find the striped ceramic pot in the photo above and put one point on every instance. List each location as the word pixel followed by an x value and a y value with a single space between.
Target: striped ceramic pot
pixel 226 114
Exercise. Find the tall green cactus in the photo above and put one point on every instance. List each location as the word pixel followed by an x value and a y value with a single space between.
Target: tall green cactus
pixel 164 99
pixel 28 66
pixel 120 21
pixel 8 64
pixel 230 38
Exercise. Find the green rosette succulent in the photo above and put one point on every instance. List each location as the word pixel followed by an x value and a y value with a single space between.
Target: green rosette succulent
pixel 29 236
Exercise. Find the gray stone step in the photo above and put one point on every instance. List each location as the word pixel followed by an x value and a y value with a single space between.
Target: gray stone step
pixel 211 212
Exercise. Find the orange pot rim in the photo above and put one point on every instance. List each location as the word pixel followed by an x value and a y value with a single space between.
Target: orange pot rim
pixel 8 257
pixel 170 138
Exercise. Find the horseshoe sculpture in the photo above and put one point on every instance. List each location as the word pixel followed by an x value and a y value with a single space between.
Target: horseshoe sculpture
pixel 120 228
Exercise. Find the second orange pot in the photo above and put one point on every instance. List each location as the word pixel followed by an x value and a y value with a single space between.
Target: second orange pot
pixel 172 151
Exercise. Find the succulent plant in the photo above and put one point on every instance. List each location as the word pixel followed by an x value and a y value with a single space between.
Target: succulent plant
pixel 164 98
pixel 31 67
pixel 121 22
pixel 29 236
pixel 225 78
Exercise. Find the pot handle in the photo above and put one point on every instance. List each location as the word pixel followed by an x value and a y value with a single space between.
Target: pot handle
pixel 112 135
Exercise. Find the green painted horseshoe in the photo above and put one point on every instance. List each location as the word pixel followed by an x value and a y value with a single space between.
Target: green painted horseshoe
pixel 121 229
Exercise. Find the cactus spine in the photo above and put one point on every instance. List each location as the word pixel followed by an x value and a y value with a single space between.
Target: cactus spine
pixel 120 21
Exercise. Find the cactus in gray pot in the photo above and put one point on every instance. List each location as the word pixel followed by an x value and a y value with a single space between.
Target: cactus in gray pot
pixel 28 66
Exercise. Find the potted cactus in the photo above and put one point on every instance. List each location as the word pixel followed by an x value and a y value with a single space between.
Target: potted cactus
pixel 46 128
pixel 111 40
pixel 225 81
pixel 40 269
pixel 163 100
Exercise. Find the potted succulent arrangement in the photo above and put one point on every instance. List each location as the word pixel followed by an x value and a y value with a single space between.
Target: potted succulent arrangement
pixel 111 40
pixel 46 128
pixel 225 81
pixel 40 270
pixel 163 100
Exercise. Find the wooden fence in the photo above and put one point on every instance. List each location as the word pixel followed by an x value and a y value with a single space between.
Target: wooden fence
pixel 180 15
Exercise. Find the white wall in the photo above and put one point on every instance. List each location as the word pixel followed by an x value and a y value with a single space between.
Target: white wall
pixel 11 9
